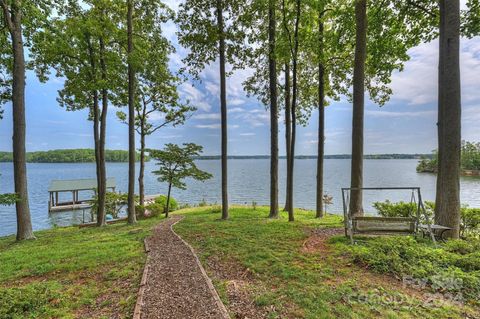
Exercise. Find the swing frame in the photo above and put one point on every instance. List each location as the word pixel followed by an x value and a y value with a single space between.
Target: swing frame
pixel 384 225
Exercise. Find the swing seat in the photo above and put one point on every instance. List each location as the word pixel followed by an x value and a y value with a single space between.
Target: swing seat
pixel 379 225
pixel 376 225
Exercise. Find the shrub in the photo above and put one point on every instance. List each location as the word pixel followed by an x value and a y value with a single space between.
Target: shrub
pixel 155 209
pixel 470 222
pixel 162 200
pixel 452 267
pixel 400 209
pixel 403 209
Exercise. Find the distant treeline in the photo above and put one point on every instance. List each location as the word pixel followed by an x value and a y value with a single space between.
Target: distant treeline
pixel 69 156
pixel 469 162
pixel 339 156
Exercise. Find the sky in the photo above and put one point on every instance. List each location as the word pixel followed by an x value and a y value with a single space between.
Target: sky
pixel 406 124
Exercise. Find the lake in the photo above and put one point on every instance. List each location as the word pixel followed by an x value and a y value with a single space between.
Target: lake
pixel 248 181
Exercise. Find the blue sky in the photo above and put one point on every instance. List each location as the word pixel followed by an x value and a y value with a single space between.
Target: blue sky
pixel 406 124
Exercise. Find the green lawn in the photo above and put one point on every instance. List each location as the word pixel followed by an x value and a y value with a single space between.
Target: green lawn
pixel 258 265
pixel 283 279
pixel 73 273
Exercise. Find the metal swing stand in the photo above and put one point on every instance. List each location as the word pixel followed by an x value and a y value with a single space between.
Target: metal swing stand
pixel 377 225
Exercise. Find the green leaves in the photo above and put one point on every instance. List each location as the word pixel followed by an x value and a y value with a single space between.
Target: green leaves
pixel 177 163
pixel 199 32
pixel 8 199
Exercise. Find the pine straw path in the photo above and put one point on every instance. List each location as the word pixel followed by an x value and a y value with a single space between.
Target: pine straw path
pixel 174 284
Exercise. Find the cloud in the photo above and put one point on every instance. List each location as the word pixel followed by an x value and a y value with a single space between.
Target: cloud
pixel 236 110
pixel 254 118
pixel 236 102
pixel 378 113
pixel 195 96
pixel 247 134
pixel 215 126
pixel 417 84
pixel 207 116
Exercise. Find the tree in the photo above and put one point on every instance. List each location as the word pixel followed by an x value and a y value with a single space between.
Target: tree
pixel 131 116
pixel 204 30
pixel 447 204
pixel 82 46
pixel 156 86
pixel 356 180
pixel 394 26
pixel 175 164
pixel 293 45
pixel 272 73
pixel 21 20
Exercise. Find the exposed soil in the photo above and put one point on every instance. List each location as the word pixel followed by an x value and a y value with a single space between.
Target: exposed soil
pixel 175 285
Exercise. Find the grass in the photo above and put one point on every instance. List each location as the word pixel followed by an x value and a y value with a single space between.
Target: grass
pixel 255 262
pixel 73 273
pixel 286 281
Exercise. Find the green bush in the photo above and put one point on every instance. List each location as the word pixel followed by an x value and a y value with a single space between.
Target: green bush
pixel 470 222
pixel 400 209
pixel 456 261
pixel 162 200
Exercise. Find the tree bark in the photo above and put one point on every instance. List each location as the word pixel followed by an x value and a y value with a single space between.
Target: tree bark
pixel 356 181
pixel 447 208
pixel 272 65
pixel 13 19
pixel 291 217
pixel 132 219
pixel 288 131
pixel 167 208
pixel 321 122
pixel 102 187
pixel 141 185
pixel 223 109
pixel 95 111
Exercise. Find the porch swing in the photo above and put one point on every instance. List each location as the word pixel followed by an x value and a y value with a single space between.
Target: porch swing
pixel 379 225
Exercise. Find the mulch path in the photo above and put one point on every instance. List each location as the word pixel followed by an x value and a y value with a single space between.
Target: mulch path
pixel 175 284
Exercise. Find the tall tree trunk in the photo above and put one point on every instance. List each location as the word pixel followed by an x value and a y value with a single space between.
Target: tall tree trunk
pixel 167 208
pixel 96 138
pixel 223 109
pixel 95 111
pixel 288 131
pixel 102 187
pixel 447 208
pixel 321 121
pixel 272 65
pixel 141 185
pixel 132 219
pixel 356 180
pixel 24 222
pixel 291 217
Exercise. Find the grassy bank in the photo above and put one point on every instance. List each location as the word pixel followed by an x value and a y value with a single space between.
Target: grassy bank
pixel 293 270
pixel 262 269
pixel 73 273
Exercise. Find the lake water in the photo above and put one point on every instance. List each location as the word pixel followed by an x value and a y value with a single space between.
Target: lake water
pixel 248 181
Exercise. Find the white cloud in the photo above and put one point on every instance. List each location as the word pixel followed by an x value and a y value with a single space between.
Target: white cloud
pixel 207 116
pixel 247 134
pixel 208 126
pixel 417 84
pixel 236 102
pixel 195 96
pixel 236 110
pixel 215 126
pixel 380 113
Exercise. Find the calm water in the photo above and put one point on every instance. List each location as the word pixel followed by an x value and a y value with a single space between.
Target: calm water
pixel 248 181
